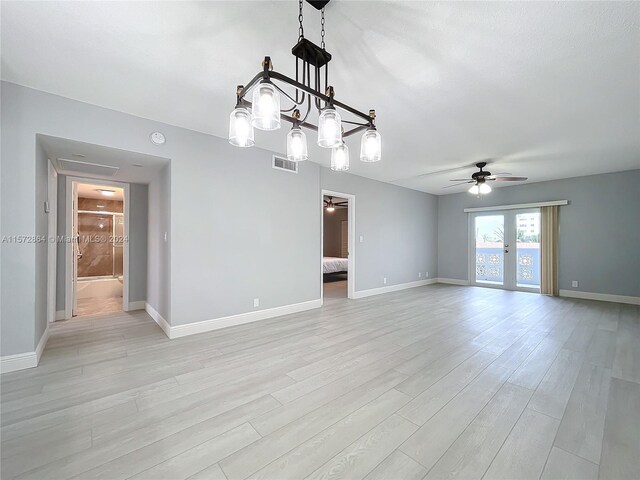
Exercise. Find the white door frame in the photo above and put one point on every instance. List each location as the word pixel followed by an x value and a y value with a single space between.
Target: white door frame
pixel 509 275
pixel 52 237
pixel 351 218
pixel 68 307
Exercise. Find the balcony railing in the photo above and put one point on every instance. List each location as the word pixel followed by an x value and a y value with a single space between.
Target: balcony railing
pixel 490 264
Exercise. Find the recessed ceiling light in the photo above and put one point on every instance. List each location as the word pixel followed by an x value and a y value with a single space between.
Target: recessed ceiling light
pixel 106 193
pixel 100 206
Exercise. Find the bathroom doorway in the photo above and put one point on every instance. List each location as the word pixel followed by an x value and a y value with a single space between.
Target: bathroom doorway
pixel 99 247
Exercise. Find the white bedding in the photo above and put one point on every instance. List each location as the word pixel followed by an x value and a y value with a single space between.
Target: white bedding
pixel 334 264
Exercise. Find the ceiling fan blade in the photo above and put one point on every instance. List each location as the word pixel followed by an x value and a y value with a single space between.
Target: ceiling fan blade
pixel 340 204
pixel 457 184
pixel 509 179
pixel 460 180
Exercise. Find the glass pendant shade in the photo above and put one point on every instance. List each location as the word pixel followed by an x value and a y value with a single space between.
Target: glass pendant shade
pixel 340 158
pixel 329 128
pixel 484 189
pixel 240 128
pixel 296 145
pixel 266 107
pixel 371 146
pixel 474 190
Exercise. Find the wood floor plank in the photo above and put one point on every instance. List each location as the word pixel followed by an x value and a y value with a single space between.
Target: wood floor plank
pixel 313 453
pixel 553 392
pixel 582 426
pixel 435 437
pixel 471 454
pixel 361 457
pixel 398 465
pixel 524 453
pixel 621 443
pixel 201 457
pixel 563 465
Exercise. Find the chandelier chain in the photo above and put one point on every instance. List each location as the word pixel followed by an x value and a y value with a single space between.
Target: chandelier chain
pixel 322 28
pixel 300 19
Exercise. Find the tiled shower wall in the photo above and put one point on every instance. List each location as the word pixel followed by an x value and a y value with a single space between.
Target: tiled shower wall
pixel 96 239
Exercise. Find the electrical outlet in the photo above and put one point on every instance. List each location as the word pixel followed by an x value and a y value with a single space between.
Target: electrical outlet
pixel 384 280
pixel 256 302
pixel 574 284
pixel 361 238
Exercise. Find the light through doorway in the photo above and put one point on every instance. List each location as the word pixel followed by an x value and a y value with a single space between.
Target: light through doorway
pixel 505 249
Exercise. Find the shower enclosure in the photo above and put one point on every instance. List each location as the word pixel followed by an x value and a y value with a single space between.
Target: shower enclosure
pixel 100 245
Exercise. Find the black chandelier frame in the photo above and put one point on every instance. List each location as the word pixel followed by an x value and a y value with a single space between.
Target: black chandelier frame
pixel 307 55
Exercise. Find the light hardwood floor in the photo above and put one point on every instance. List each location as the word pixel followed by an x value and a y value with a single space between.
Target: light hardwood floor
pixel 433 382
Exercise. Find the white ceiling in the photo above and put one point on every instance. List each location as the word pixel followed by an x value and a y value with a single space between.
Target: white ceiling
pixel 93 191
pixel 542 89
pixel 132 167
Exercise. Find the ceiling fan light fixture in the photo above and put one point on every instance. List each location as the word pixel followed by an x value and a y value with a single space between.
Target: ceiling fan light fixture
pixel 340 158
pixel 474 190
pixel 240 128
pixel 297 145
pixel 371 146
pixel 484 188
pixel 266 107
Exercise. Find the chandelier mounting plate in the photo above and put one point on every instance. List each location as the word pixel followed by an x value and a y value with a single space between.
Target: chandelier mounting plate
pixel 307 51
pixel 319 4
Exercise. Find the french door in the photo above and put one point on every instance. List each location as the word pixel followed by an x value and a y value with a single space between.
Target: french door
pixel 505 249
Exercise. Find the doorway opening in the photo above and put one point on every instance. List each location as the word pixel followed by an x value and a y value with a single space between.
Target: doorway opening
pixel 338 260
pixel 505 249
pixel 99 247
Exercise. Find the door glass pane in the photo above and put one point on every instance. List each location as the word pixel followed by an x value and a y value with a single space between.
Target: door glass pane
pixel 490 249
pixel 528 249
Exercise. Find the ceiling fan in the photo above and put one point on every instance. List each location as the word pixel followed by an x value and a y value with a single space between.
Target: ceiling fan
pixel 330 206
pixel 480 179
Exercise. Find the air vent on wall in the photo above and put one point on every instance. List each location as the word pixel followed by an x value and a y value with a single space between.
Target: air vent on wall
pixel 281 163
pixel 76 166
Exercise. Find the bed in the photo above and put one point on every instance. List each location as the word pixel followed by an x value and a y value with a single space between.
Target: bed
pixel 334 265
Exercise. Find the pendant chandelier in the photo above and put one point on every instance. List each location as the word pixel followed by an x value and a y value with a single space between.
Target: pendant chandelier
pixel 311 92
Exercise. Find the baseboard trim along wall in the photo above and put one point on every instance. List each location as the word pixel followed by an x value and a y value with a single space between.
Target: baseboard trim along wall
pixel 21 361
pixel 223 322
pixel 139 305
pixel 393 288
pixel 60 314
pixel 453 281
pixel 241 318
pixel 603 297
pixel 159 319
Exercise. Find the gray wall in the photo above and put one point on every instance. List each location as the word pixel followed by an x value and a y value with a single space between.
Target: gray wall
pixel 398 226
pixel 332 231
pixel 234 232
pixel 599 230
pixel 138 212
pixel 159 249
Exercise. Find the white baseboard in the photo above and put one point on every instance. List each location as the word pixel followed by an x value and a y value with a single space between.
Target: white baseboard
pixel 140 305
pixel 61 315
pixel 393 288
pixel 239 319
pixel 159 319
pixel 603 297
pixel 21 361
pixel 453 281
